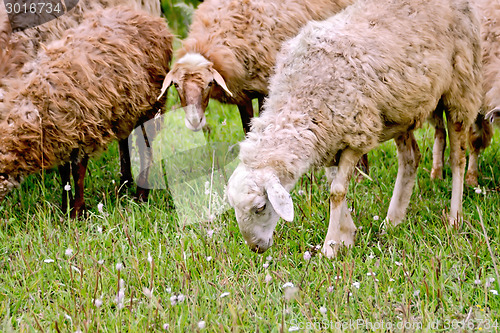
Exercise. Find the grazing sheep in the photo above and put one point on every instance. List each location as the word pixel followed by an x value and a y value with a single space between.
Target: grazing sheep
pixel 372 73
pixel 89 88
pixel 481 131
pixel 231 49
pixel 25 45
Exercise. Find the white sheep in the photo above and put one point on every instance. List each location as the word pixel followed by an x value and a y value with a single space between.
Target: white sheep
pixel 481 130
pixel 372 73
pixel 231 49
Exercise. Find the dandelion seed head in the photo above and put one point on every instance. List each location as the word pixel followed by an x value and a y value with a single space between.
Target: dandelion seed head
pixel 119 266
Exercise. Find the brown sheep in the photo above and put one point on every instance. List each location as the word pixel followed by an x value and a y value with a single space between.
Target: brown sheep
pixel 89 88
pixel 231 50
pixel 25 44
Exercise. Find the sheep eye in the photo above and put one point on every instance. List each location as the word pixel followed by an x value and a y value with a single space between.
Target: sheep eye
pixel 260 209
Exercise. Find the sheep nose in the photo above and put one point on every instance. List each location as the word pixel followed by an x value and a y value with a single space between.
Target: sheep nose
pixel 261 246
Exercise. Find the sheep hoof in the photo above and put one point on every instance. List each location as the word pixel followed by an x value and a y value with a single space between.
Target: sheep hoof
pixel 471 179
pixel 436 173
pixel 330 250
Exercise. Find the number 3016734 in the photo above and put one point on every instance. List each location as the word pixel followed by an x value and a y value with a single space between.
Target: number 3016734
pixel 33 8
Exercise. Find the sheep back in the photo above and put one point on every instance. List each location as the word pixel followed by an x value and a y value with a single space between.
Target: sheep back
pixel 242 38
pixel 87 89
pixel 364 76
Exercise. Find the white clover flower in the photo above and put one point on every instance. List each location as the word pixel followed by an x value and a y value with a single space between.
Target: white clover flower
pixel 100 207
pixel 356 285
pixel 478 190
pixel 168 290
pixel 398 263
pixel 477 281
pixel 201 324
pixel 330 289
pixel 148 293
pixel 268 278
pixel 173 300
pixel 166 327
pixel 68 252
pixel 266 265
pixel 391 280
pixel 210 233
pixel 67 187
pixel 97 302
pixel 100 262
pixel 119 266
pixel 300 192
pixel 288 285
pixel 307 256
pixel 224 294
pixel 181 298
pixel 48 261
pixel 416 293
pixel 99 229
pixel 209 258
pixel 269 258
pixel 322 310
pixel 376 218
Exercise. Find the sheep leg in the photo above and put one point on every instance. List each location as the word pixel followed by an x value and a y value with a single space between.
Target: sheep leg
pixel 146 160
pixel 458 136
pixel 79 169
pixel 479 138
pixel 439 143
pixel 408 160
pixel 341 228
pixel 246 113
pixel 125 167
pixel 65 173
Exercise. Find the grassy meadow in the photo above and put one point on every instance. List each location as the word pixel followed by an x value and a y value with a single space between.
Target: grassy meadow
pixel 136 267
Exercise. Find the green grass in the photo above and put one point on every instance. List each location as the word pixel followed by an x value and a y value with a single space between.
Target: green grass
pixel 425 272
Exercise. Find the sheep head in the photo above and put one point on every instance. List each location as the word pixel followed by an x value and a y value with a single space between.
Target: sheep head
pixel 259 200
pixel 194 76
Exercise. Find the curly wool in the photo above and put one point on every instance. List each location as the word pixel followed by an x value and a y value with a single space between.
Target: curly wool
pixel 242 38
pixel 340 83
pixel 86 90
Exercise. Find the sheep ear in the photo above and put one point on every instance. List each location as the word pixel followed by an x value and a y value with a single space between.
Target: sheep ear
pixel 220 81
pixel 493 115
pixel 166 83
pixel 280 199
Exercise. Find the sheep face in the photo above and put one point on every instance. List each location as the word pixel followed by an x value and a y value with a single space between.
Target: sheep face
pixel 194 78
pixel 259 200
